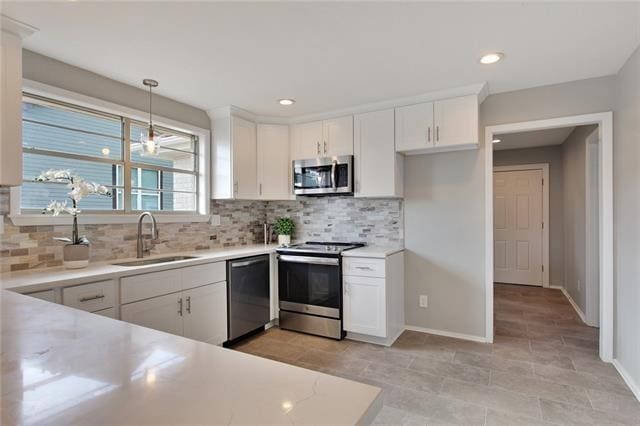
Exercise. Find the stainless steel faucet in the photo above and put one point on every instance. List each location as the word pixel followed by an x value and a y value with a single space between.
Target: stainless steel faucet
pixel 154 233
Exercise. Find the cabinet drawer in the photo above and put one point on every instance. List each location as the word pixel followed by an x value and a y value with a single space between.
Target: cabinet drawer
pixel 196 276
pixel 145 286
pixel 109 313
pixel 363 267
pixel 90 297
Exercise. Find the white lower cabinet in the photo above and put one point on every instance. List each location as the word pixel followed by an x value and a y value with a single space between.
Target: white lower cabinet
pixel 364 306
pixel 160 313
pixel 195 308
pixel 47 295
pixel 205 313
pixel 373 298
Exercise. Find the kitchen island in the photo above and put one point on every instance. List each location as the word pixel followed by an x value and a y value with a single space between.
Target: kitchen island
pixel 65 366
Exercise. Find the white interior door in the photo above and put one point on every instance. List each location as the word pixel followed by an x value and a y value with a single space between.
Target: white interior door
pixel 517 226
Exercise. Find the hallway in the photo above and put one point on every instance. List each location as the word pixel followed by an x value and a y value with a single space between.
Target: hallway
pixel 543 368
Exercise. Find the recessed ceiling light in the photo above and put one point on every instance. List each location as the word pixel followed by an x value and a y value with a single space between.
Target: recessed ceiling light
pixel 491 58
pixel 496 140
pixel 286 102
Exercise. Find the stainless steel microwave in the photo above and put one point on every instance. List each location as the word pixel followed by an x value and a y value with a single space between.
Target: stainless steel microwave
pixel 323 176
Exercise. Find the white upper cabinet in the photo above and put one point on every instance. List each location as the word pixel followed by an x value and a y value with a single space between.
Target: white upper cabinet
pixel 307 140
pixel 444 125
pixel 456 121
pixel 326 138
pixel 11 34
pixel 414 127
pixel 274 167
pixel 338 136
pixel 233 157
pixel 378 168
pixel 245 178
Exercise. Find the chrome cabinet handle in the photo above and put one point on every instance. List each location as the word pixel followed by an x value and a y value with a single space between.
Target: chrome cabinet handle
pixel 235 188
pixel 318 147
pixel 260 189
pixel 429 134
pixel 334 175
pixel 365 268
pixel 325 147
pixel 346 288
pixel 86 299
pixel 180 306
pixel 437 133
pixel 189 304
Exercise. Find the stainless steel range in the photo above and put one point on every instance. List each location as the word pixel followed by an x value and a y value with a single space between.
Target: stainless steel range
pixel 310 287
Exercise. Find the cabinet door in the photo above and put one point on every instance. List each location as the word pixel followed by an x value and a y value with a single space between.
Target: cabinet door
pixel 375 155
pixel 160 313
pixel 365 306
pixel 456 121
pixel 47 295
pixel 243 135
pixel 10 109
pixel 274 167
pixel 337 137
pixel 205 314
pixel 414 127
pixel 307 141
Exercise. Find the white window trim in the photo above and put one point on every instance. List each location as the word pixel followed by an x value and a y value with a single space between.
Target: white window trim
pixel 202 215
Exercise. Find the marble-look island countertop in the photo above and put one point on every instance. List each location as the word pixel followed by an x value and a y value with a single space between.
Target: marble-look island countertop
pixel 65 366
pixel 46 278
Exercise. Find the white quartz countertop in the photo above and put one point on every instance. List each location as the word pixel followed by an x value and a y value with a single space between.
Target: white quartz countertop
pixel 372 251
pixel 65 366
pixel 46 278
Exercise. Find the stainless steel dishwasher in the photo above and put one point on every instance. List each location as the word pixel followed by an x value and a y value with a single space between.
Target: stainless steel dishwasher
pixel 248 296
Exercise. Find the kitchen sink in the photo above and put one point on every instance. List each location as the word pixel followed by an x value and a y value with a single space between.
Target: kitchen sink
pixel 142 262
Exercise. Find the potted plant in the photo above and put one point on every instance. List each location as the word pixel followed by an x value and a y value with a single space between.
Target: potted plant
pixel 284 228
pixel 76 252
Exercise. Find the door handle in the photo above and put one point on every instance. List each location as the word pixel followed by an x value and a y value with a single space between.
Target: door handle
pixel 189 304
pixel 180 306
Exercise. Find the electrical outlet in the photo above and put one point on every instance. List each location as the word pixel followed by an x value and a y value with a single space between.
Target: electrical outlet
pixel 214 220
pixel 424 301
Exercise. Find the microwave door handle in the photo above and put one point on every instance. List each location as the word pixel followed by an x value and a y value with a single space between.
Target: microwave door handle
pixel 334 177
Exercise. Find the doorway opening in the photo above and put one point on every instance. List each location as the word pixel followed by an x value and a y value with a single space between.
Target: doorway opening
pixel 549 219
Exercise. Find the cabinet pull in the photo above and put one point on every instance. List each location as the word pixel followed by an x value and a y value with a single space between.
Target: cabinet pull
pixel 346 288
pixel 235 188
pixel 88 298
pixel 429 134
pixel 437 133
pixel 365 268
pixel 180 306
pixel 318 145
pixel 189 304
pixel 260 189
pixel 325 147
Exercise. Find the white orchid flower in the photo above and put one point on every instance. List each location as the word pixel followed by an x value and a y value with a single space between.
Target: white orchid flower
pixel 56 207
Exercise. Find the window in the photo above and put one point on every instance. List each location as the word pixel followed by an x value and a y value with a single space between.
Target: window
pixel 106 149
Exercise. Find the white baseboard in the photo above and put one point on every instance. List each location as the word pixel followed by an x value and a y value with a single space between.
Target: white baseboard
pixel 373 339
pixel 470 337
pixel 635 388
pixel 575 305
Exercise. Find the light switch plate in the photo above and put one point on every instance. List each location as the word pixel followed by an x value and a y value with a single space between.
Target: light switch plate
pixel 214 220
pixel 424 301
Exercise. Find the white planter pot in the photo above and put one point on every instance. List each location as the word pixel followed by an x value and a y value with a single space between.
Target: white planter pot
pixel 75 256
pixel 284 240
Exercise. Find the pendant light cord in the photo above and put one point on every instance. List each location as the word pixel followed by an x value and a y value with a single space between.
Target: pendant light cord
pixel 150 98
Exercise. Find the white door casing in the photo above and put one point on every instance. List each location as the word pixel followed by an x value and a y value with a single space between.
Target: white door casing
pixel 518 227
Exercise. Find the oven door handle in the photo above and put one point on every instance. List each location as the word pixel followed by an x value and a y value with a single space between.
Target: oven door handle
pixel 310 259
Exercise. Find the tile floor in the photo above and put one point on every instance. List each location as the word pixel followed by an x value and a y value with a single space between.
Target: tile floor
pixel 542 369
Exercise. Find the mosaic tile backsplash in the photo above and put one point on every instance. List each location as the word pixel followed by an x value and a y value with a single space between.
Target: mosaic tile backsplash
pixel 374 221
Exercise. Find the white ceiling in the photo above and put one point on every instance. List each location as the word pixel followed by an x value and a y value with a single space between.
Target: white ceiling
pixel 330 55
pixel 532 139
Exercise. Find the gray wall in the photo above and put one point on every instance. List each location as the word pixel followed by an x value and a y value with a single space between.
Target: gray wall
pixel 444 208
pixel 626 181
pixel 551 155
pixel 50 71
pixel 575 220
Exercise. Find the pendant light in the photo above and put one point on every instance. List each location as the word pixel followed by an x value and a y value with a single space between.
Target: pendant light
pixel 150 142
